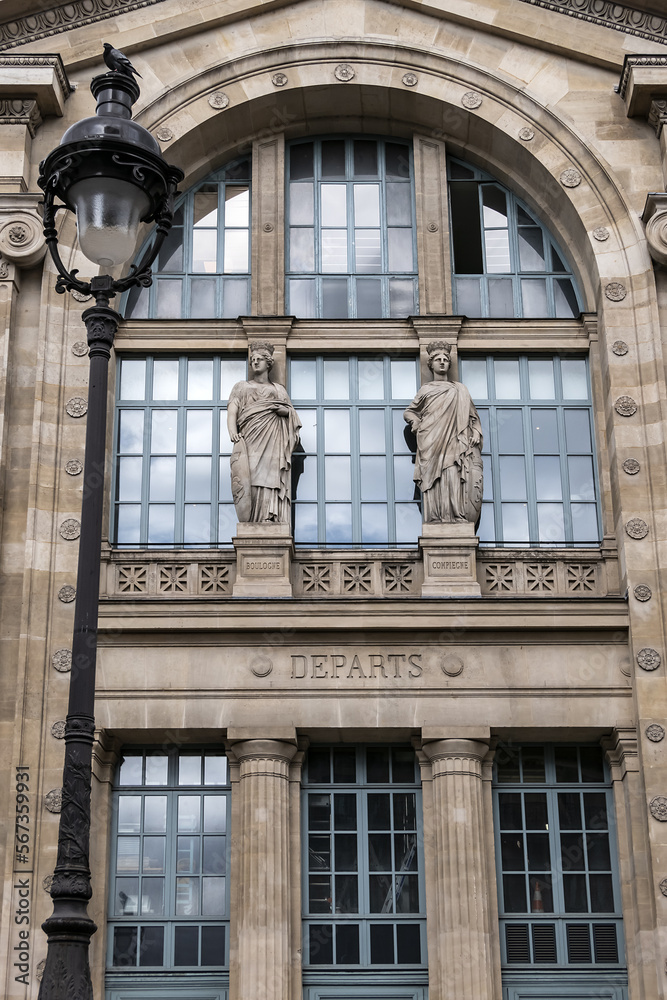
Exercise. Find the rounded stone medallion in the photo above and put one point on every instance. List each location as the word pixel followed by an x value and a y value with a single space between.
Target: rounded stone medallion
pixel 601 234
pixel 66 594
pixel 261 666
pixel 571 178
pixel 80 348
pixel 658 807
pixel 410 79
pixel 642 592
pixel 279 79
pixel 615 291
pixel 655 734
pixel 164 134
pixel 526 134
pixel 625 406
pixel 58 730
pixel 70 529
pixel 74 467
pixel 432 227
pixel 636 528
pixel 452 665
pixel 53 800
pixel 218 101
pixel 471 100
pixel 648 659
pixel 631 466
pixel 77 406
pixel 62 660
pixel 268 227
pixel 344 72
pixel 619 347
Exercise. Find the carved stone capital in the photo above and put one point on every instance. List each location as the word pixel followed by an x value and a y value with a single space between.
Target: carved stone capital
pixel 643 80
pixel 20 111
pixel 21 231
pixel 654 218
pixel 621 750
pixel 263 750
pixel 657 116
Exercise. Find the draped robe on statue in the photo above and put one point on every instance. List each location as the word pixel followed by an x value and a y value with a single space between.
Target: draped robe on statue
pixel 447 466
pixel 262 457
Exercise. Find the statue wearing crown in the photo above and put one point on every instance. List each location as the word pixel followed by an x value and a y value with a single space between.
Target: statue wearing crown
pixel 264 429
pixel 448 466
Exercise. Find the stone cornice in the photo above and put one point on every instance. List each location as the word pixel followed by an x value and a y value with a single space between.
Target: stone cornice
pixel 65 17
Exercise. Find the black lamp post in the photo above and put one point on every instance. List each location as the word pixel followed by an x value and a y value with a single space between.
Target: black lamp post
pixel 109 171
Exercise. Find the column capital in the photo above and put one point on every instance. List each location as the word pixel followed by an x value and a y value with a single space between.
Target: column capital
pixel 621 750
pixel 263 749
pixel 455 748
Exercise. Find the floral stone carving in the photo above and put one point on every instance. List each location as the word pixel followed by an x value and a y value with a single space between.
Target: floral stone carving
pixel 625 406
pixel 80 348
pixel 218 101
pixel 66 594
pixel 636 528
pixel 77 406
pixel 62 660
pixel 615 291
pixel 471 100
pixel 58 730
pixel 658 807
pixel 648 659
pixel 53 800
pixel 344 73
pixel 642 592
pixel 655 734
pixel 631 466
pixel 571 178
pixel 74 467
pixel 70 529
pixel 601 234
pixel 620 347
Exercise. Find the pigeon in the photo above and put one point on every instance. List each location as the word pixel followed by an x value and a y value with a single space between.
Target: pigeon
pixel 118 62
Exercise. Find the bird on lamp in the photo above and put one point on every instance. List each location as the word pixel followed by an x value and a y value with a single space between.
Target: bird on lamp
pixel 118 62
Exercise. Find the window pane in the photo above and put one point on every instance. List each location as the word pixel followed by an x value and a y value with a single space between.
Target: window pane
pixel 399 204
pixel 541 378
pixel 368 255
pixel 301 204
pixel 204 250
pixel 403 379
pixel 404 486
pixel 550 522
pixel 235 297
pixel 197 524
pixel 497 248
pixel 306 478
pixel 202 298
pixel 400 250
pixel 301 161
pixel 199 429
pixel 565 299
pixel 336 379
pixel 128 529
pixel 372 431
pixel 473 375
pixel 129 814
pixel 152 897
pixel 338 519
pixel 515 522
pixel 236 251
pixel 531 249
pixel 333 158
pixel 131 435
pixel 126 903
pixel 155 814
pixel 132 379
pixel 534 295
pixel 162 479
pixel 408 522
pixel 374 523
pixel 124 946
pixel 337 478
pixel 575 381
pixel 578 431
pixel 161 524
pixel 366 204
pixel 494 205
pixel 547 478
pixel 365 158
pixel 373 478
pixel 401 298
pixel 206 205
pixel 213 860
pixel 397 160
pixel 510 430
pixel 468 297
pixel 170 254
pixel 197 479
pixel 337 430
pixel 334 204
pixel 302 250
pixel 188 813
pixel 168 298
pixel 305 525
pixel 129 479
pixel 382 944
pixel 302 301
pixel 501 297
pixel 584 522
pixel 213 946
pixel 153 855
pixel 165 379
pixel 369 298
pixel 186 946
pixel 215 814
pixel 334 298
pixel 303 384
pixel 581 477
pixel 512 477
pixel 237 206
pixel 507 379
pixel 213 897
pixel 231 371
pixel 545 430
pixel 187 896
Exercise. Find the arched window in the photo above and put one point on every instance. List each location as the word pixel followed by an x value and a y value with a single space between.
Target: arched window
pixel 351 238
pixel 203 268
pixel 505 263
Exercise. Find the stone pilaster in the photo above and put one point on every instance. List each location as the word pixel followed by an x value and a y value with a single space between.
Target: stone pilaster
pixel 464 940
pixel 264 928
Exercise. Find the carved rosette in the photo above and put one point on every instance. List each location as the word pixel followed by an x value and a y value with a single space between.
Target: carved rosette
pixel 218 101
pixel 631 466
pixel 615 291
pixel 601 234
pixel 526 134
pixel 648 659
pixel 658 807
pixel 619 347
pixel 80 348
pixel 636 528
pixel 164 134
pixel 663 886
pixel 77 406
pixel 452 665
pixel 261 666
pixel 655 734
pixel 66 594
pixel 625 406
pixel 62 660
pixel 344 72
pixel 22 239
pixel 53 800
pixel 279 79
pixel 410 79
pixel 571 178
pixel 74 467
pixel 58 730
pixel 471 100
pixel 70 529
pixel 642 592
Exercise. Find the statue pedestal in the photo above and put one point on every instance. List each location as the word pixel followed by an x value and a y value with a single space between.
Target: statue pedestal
pixel 263 557
pixel 448 551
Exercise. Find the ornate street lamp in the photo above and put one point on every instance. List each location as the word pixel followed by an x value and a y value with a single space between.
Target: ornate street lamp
pixel 109 171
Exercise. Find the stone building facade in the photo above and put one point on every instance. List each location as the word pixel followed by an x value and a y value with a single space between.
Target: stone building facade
pixel 355 758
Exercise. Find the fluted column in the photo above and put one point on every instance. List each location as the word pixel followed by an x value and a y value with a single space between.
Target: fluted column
pixel 264 911
pixel 464 948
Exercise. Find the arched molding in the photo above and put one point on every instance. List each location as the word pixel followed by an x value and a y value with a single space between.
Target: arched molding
pixel 377 100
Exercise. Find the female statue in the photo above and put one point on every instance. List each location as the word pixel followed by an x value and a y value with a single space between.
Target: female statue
pixel 264 429
pixel 448 467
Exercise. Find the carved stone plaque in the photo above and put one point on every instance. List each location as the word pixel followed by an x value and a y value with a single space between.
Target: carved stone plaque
pixel 655 734
pixel 648 659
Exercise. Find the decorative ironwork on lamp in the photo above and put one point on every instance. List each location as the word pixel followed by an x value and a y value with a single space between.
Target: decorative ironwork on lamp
pixel 108 170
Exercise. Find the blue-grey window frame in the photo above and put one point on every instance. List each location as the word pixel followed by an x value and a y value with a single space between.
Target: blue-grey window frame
pixel 353 404
pixel 412 975
pixel 559 917
pixel 182 404
pixel 492 405
pixel 317 275
pixel 146 975
pixel 184 209
pixel 515 272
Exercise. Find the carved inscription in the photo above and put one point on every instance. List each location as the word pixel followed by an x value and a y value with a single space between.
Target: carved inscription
pixel 445 567
pixel 262 567
pixel 366 666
